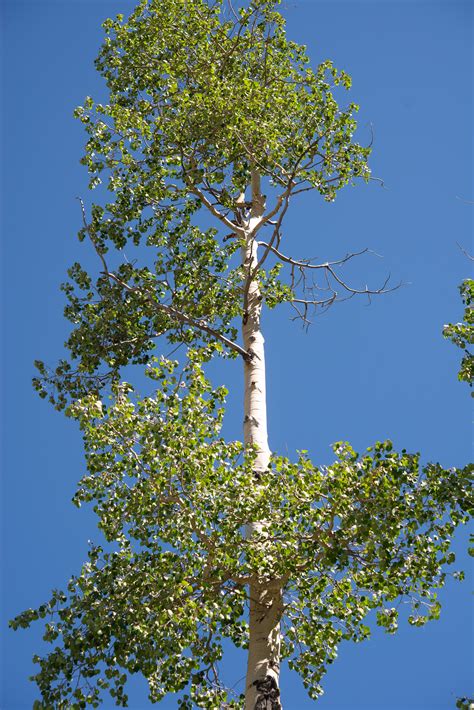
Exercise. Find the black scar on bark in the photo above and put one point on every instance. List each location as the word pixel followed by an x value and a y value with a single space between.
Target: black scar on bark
pixel 268 694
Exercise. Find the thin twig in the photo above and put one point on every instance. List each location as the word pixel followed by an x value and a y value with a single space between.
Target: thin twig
pixel 308 265
pixel 466 253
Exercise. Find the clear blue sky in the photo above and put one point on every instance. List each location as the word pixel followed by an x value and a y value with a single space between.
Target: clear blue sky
pixel 361 374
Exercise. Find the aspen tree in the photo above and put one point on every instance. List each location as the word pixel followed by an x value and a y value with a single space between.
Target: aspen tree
pixel 215 124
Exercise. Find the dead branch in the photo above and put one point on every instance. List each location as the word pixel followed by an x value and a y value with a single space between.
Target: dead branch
pixel 300 271
pixel 465 252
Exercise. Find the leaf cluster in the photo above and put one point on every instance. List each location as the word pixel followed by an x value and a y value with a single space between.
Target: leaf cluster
pixel 199 95
pixel 462 334
pixel 363 534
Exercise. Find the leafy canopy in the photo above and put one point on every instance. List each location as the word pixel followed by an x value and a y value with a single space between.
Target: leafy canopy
pixel 173 495
pixel 199 94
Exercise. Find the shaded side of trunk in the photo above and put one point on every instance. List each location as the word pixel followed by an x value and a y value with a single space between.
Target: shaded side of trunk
pixel 262 682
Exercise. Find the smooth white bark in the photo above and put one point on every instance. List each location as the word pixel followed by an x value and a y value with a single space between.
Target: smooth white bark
pixel 263 664
pixel 262 682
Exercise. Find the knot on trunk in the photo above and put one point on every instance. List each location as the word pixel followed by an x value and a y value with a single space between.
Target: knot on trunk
pixel 251 356
pixel 250 419
pixel 268 694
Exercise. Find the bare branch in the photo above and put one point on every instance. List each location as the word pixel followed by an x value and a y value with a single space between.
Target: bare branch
pixel 366 291
pixel 212 209
pixel 304 189
pixel 306 264
pixel 233 11
pixel 466 253
pixel 300 270
pixel 379 180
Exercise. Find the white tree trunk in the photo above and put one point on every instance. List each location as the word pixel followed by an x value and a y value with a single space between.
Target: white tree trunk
pixel 263 669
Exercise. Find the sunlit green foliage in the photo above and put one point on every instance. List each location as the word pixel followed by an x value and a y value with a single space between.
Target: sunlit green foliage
pixel 199 93
pixel 462 334
pixel 356 536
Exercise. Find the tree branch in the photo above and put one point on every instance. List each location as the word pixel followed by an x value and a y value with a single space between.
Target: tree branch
pixel 306 264
pixel 328 268
pixel 87 227
pixel 182 317
pixel 222 218
pixel 194 189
